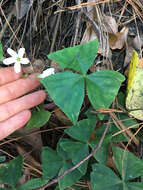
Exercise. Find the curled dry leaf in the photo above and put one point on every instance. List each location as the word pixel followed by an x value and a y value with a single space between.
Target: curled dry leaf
pixel 89 34
pixel 118 40
pixel 133 43
pixel 110 24
pixel 137 43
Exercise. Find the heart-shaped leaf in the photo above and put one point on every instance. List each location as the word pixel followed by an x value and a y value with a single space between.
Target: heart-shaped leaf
pixel 51 163
pixel 32 184
pixel 78 58
pixel 67 91
pixel 103 178
pixel 135 186
pixel 128 165
pixel 38 119
pixel 102 87
pixel 77 151
pixel 11 172
pixel 69 179
pixel 84 127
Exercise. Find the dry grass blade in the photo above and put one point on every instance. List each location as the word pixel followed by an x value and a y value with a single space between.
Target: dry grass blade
pixel 120 124
pixel 82 5
pixel 138 7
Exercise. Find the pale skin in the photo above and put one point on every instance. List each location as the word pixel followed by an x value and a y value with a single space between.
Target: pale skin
pixel 14 104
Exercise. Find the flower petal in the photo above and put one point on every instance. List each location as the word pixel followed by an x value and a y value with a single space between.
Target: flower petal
pixel 49 71
pixel 46 73
pixel 17 67
pixel 21 52
pixel 12 52
pixel 9 61
pixel 24 61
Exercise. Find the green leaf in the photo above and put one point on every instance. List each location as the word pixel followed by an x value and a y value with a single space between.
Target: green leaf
pixel 74 187
pixel 38 119
pixel 79 58
pixel 82 130
pixel 64 155
pixel 102 154
pixel 51 163
pixel 2 158
pixel 135 185
pixel 103 178
pixel 10 172
pixel 128 165
pixel 69 179
pixel 102 87
pixel 32 184
pixel 77 151
pixel 1 53
pixel 65 89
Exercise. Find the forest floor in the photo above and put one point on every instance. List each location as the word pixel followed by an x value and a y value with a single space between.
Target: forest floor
pixel 44 26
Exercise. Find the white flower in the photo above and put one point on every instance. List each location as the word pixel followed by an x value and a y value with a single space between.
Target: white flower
pixel 16 58
pixel 47 72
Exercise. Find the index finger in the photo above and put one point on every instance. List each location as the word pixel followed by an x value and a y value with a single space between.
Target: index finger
pixel 8 75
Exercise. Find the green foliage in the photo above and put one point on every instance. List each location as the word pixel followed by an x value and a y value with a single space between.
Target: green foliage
pixel 86 128
pixel 78 58
pixel 102 87
pixel 103 178
pixel 50 158
pixel 32 184
pixel 68 90
pixel 2 158
pixel 54 164
pixel 71 178
pixel 76 151
pixel 129 167
pixel 38 119
pixel 67 87
pixel 1 53
pixel 11 172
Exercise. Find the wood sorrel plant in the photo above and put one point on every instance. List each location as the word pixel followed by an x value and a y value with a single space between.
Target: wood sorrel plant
pixel 67 88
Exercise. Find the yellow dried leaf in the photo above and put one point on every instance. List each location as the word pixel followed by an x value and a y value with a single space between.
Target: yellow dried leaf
pixel 134 99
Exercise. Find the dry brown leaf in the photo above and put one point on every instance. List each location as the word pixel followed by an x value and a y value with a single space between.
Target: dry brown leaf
pixel 110 24
pixel 25 177
pixel 32 139
pixel 36 67
pixel 110 163
pixel 55 65
pixel 28 159
pixel 89 35
pixel 118 40
pixel 93 32
pixel 61 117
pixel 133 43
pixel 137 43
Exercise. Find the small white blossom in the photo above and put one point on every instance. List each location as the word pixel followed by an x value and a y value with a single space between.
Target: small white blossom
pixel 16 58
pixel 47 72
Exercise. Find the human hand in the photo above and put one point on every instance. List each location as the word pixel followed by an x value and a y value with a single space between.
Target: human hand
pixel 14 107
